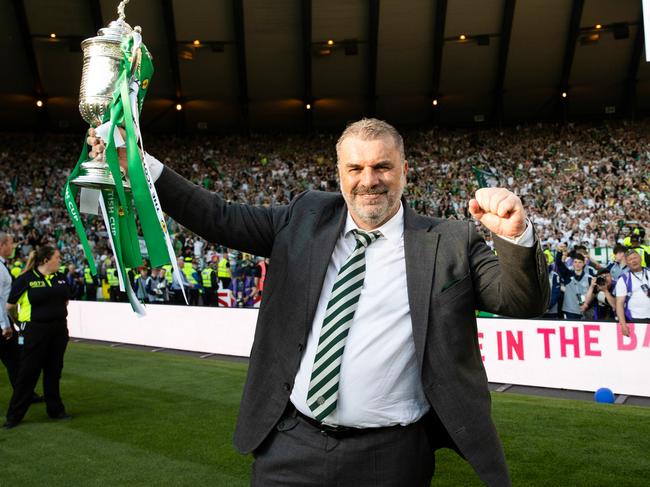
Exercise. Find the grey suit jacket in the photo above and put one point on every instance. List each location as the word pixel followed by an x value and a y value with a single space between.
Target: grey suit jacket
pixel 450 273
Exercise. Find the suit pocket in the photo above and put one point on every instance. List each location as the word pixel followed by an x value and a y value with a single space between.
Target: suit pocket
pixel 455 288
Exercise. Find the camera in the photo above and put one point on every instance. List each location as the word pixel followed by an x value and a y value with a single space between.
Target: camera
pixel 600 281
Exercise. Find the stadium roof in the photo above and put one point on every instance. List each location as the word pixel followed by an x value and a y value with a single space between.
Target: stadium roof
pixel 259 63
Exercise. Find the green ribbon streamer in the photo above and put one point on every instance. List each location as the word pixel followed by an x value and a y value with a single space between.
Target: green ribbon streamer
pixel 69 195
pixel 151 228
pixel 128 241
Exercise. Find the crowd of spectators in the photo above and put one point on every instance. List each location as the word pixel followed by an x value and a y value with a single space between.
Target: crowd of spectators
pixel 583 185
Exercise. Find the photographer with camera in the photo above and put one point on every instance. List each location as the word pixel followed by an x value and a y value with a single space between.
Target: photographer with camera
pixel 602 296
pixel 633 293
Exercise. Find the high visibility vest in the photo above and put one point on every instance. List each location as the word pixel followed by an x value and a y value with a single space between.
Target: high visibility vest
pixel 111 277
pixel 549 256
pixel 206 277
pixel 188 270
pixel 169 270
pixel 223 270
pixel 88 276
pixel 16 270
pixel 646 255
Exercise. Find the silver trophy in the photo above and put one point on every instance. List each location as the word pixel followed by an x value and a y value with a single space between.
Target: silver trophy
pixel 101 70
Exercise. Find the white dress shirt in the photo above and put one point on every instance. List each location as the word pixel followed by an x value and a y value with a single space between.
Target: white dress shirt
pixel 5 289
pixel 380 380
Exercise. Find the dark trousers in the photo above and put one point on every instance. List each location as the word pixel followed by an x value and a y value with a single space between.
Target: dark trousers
pixel 43 349
pixel 91 292
pixel 177 297
pixel 10 357
pixel 296 453
pixel 193 297
pixel 114 294
pixel 225 282
pixel 572 316
pixel 210 297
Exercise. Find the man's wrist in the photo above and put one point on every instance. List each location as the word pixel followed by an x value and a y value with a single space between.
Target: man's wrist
pixel 155 166
pixel 526 239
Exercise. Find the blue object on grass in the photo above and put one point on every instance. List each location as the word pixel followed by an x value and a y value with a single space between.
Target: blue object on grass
pixel 604 395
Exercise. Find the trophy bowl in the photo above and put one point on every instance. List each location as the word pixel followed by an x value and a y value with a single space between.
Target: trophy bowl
pixel 101 69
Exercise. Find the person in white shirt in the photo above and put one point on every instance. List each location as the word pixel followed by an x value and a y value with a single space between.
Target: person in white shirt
pixel 633 293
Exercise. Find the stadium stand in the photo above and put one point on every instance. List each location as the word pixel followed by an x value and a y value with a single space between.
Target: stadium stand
pixel 583 184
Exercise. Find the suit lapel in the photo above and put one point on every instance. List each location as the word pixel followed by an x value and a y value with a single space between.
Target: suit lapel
pixel 420 248
pixel 328 227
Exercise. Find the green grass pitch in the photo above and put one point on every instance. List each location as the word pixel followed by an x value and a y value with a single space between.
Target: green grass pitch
pixel 143 418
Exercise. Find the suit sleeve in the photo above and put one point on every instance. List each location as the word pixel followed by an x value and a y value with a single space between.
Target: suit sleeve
pixel 247 228
pixel 512 283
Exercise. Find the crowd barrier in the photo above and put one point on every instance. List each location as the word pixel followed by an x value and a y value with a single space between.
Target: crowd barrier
pixel 573 355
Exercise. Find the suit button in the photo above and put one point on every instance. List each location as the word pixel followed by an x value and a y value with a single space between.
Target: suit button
pixel 287 387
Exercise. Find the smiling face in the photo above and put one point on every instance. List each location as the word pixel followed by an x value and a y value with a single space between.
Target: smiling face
pixel 633 260
pixel 372 175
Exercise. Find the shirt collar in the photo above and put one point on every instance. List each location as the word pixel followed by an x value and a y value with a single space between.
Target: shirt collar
pixel 392 230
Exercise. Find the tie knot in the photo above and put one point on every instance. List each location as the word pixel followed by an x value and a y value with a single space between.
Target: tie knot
pixel 365 238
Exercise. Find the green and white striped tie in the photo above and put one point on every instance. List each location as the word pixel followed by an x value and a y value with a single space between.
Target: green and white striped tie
pixel 324 384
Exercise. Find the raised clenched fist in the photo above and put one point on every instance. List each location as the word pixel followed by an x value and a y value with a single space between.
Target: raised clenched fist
pixel 500 211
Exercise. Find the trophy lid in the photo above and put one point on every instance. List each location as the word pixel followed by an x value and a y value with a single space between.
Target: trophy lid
pixel 116 32
pixel 116 29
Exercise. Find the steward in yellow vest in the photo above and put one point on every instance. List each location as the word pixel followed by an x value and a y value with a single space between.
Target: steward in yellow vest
pixel 210 286
pixel 193 279
pixel 90 284
pixel 114 284
pixel 223 272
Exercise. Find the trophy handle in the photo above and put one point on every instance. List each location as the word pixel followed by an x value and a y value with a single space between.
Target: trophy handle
pixel 120 10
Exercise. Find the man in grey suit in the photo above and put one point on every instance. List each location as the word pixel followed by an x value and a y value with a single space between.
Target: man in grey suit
pixel 366 358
